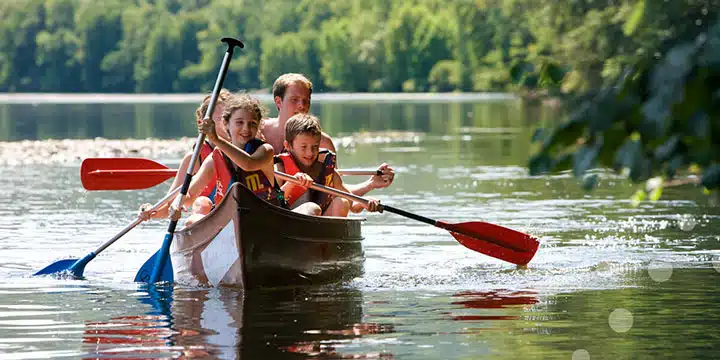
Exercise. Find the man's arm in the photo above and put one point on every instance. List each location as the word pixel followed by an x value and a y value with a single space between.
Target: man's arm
pixel 374 182
pixel 327 142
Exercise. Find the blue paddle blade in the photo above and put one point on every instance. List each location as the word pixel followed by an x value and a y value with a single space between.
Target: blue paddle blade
pixel 143 275
pixel 74 267
pixel 160 297
pixel 56 267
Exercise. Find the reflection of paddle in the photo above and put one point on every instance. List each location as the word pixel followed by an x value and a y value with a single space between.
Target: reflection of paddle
pixel 159 270
pixel 139 173
pixel 492 240
pixel 76 266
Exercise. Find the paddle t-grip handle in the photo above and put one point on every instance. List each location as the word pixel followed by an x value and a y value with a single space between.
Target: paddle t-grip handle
pixel 232 43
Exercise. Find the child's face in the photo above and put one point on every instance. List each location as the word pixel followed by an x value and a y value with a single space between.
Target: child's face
pixel 243 127
pixel 305 148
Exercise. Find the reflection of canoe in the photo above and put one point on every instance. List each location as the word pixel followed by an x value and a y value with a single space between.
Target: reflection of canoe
pixel 248 242
pixel 230 323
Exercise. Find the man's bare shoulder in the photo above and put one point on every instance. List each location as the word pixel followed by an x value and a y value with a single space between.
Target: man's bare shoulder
pixel 325 136
pixel 271 128
pixel 327 142
pixel 271 123
pixel 273 134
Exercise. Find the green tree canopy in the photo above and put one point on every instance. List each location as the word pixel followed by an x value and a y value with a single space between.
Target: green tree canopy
pixel 660 117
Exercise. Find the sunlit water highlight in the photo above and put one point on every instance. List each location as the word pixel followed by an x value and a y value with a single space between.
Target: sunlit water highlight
pixel 610 280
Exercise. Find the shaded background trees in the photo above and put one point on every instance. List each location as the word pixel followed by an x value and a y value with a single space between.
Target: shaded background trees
pixel 653 112
pixel 379 45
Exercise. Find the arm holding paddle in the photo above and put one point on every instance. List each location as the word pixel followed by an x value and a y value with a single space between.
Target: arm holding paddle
pixel 201 179
pixel 384 177
pixel 222 96
pixel 372 204
pixel 338 207
pixel 177 181
pixel 198 183
pixel 303 180
pixel 248 162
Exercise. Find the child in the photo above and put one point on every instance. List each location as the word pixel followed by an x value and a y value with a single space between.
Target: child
pixel 244 158
pixel 309 164
pixel 205 151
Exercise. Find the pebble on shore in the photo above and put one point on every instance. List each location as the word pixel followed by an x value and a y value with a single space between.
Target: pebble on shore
pixel 70 151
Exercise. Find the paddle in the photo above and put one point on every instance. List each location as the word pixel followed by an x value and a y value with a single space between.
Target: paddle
pixel 486 238
pixel 139 173
pixel 159 272
pixel 76 266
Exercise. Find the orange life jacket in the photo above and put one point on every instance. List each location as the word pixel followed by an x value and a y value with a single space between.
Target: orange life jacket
pixel 206 151
pixel 227 173
pixel 325 177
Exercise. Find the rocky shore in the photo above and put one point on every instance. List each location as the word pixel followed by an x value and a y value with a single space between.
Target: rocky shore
pixel 74 151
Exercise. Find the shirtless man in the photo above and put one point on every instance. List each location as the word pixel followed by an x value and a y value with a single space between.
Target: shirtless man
pixel 291 94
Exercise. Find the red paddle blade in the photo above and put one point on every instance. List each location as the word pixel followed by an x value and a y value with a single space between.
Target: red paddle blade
pixel 494 240
pixel 122 173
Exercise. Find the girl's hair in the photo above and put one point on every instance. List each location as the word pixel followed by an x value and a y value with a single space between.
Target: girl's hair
pixel 222 98
pixel 243 101
pixel 302 124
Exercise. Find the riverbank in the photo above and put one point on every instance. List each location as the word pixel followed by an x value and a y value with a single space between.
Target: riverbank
pixel 70 152
pixel 74 151
pixel 78 98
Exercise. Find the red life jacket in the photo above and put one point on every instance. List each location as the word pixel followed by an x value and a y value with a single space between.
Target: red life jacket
pixel 227 173
pixel 325 177
pixel 206 151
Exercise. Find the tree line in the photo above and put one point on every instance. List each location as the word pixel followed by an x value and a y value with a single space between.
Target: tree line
pixel 652 118
pixel 160 46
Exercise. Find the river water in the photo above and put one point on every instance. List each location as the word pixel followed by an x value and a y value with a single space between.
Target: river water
pixel 611 279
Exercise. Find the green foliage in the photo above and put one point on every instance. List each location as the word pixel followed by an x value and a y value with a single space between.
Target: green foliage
pixel 532 47
pixel 345 53
pixel 445 76
pixel 288 51
pixel 660 117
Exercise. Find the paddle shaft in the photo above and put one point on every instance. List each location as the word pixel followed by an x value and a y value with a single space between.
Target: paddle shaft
pixel 359 172
pixel 355 198
pixel 77 266
pixel 140 173
pixel 172 172
pixel 165 249
pixel 137 221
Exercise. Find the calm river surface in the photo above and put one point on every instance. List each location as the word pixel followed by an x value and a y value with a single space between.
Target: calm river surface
pixel 610 280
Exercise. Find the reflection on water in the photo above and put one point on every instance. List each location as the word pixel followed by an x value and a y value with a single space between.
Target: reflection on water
pixel 167 121
pixel 47 319
pixel 493 300
pixel 229 323
pixel 610 280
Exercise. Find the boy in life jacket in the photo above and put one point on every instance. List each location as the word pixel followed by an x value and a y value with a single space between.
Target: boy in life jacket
pixel 306 161
pixel 205 151
pixel 245 158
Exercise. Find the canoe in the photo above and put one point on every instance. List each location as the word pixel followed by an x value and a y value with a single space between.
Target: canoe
pixel 247 242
